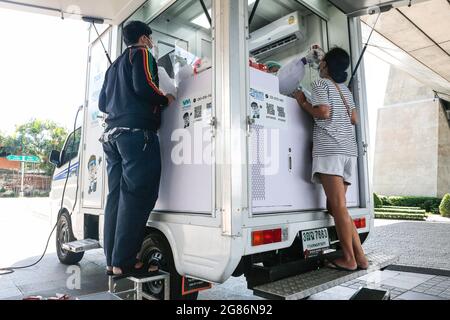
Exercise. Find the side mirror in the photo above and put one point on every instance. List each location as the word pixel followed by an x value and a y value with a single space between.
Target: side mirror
pixel 55 158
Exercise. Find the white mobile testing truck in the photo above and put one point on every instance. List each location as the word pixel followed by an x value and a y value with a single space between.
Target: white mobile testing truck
pixel 235 196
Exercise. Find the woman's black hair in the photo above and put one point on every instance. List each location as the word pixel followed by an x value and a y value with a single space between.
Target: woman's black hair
pixel 134 30
pixel 338 61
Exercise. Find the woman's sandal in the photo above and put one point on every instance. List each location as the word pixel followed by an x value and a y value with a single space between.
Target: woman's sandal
pixel 361 268
pixel 334 265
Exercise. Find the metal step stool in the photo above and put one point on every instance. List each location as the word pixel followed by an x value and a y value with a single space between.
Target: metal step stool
pixel 81 245
pixel 137 290
pixel 304 285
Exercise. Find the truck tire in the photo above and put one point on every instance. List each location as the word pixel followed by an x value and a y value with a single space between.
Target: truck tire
pixel 156 244
pixel 64 234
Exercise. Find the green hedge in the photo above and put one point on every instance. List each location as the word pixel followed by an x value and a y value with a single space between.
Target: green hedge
pixel 383 209
pixel 444 207
pixel 399 216
pixel 405 208
pixel 429 204
pixel 8 194
pixel 377 201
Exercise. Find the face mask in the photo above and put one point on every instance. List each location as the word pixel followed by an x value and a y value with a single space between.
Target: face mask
pixel 155 52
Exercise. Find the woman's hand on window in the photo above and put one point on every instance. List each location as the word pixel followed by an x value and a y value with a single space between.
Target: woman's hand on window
pixel 300 97
pixel 354 117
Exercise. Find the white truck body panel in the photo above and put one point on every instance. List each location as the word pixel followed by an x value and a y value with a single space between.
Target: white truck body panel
pixel 207 212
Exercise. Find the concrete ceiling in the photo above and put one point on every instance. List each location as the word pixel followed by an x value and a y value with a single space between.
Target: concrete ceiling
pixel 422 32
pixel 113 11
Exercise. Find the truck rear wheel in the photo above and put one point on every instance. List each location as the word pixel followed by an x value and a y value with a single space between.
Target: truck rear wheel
pixel 156 245
pixel 64 234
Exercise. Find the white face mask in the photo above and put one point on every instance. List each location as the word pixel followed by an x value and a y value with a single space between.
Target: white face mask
pixel 155 52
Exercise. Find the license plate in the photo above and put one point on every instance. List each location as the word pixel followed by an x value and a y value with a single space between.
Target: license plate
pixel 314 242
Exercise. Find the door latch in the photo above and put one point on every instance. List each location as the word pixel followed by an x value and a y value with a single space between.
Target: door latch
pixel 213 124
pixel 250 123
pixel 365 146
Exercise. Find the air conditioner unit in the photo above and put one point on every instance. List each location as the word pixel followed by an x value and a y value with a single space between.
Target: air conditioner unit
pixel 277 35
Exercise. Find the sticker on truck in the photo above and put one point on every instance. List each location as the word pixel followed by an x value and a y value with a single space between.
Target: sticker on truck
pixel 190 285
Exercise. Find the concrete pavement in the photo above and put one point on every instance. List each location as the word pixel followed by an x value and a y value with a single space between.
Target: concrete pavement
pixel 25 224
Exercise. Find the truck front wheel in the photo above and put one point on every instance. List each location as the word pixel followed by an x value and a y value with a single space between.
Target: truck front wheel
pixel 64 234
pixel 156 245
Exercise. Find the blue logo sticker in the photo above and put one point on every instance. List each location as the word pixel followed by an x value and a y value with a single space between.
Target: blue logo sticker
pixel 186 103
pixel 257 95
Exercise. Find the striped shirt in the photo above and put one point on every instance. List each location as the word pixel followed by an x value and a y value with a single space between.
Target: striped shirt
pixel 336 135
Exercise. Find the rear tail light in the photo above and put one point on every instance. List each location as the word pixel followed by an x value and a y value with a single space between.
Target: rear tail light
pixel 360 223
pixel 268 236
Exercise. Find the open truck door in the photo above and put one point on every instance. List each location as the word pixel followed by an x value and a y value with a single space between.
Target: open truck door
pixel 93 159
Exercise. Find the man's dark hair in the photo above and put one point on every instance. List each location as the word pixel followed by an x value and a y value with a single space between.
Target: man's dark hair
pixel 338 61
pixel 134 30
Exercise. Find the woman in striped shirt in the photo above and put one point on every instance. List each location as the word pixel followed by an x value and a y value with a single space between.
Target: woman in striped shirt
pixel 334 150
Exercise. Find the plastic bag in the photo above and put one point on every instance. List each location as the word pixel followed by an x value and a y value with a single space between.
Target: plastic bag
pixel 184 73
pixel 291 74
pixel 166 84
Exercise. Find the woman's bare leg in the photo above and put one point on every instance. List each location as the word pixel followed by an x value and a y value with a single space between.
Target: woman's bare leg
pixel 335 191
pixel 358 250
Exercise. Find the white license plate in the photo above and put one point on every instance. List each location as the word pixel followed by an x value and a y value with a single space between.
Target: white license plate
pixel 315 241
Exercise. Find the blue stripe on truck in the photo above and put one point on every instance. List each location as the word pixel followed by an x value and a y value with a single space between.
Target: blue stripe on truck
pixel 63 174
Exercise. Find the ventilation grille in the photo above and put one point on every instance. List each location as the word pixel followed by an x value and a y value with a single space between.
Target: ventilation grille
pixel 258 178
pixel 275 45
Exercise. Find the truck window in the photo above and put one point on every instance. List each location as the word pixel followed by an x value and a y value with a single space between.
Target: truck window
pixel 183 38
pixel 282 30
pixel 70 150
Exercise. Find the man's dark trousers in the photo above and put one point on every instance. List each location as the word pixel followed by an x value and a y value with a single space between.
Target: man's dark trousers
pixel 134 171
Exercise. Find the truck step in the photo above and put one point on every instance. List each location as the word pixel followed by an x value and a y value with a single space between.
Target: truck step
pixel 81 245
pixel 304 285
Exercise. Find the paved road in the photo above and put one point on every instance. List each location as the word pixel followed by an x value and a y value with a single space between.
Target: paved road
pixel 25 224
pixel 420 244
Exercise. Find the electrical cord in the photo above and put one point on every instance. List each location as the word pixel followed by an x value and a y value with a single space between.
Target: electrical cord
pixel 9 270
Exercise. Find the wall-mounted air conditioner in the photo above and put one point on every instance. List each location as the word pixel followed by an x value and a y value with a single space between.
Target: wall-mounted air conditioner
pixel 277 35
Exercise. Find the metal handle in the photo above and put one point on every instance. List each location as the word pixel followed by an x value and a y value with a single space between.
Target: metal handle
pixel 250 122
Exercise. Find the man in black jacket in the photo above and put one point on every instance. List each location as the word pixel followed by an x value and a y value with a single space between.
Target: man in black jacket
pixel 133 102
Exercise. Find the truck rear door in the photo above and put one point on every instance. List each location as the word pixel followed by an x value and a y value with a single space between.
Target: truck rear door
pixel 93 159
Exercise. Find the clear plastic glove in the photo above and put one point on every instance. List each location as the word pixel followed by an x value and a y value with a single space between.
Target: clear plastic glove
pixel 314 56
pixel 171 99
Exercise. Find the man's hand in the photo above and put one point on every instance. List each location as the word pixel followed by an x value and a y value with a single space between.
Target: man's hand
pixel 300 97
pixel 171 99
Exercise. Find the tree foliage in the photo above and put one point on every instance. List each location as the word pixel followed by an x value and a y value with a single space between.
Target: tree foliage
pixel 36 138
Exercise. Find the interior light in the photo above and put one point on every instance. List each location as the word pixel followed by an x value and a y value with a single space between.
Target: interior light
pixel 202 20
